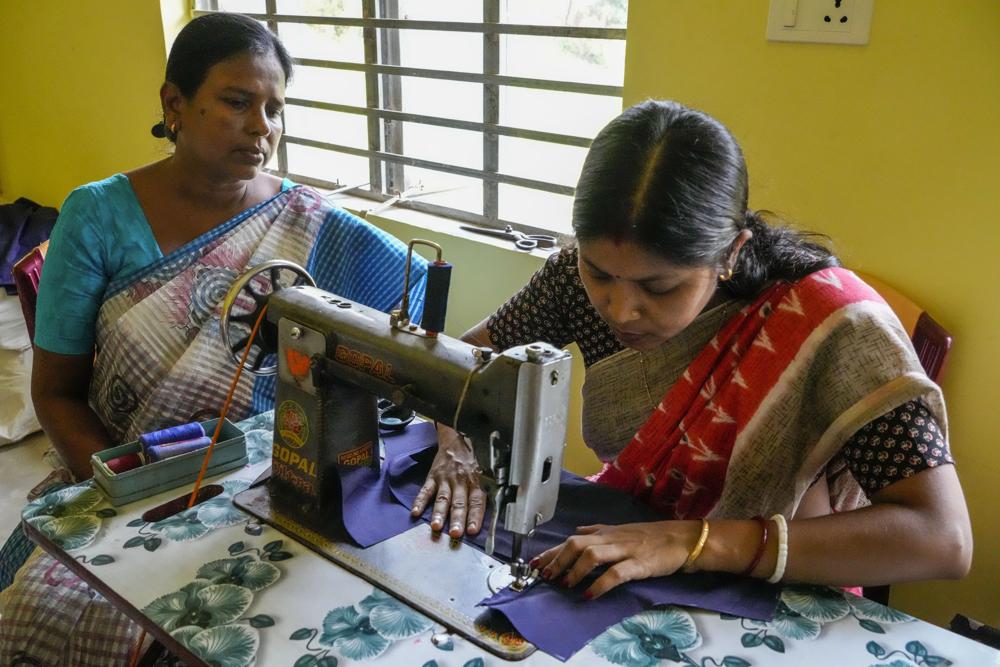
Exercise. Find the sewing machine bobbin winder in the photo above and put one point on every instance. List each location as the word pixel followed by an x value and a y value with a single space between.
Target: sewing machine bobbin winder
pixel 335 360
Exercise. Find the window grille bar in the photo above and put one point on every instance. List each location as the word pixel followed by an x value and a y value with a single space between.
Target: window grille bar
pixel 372 97
pixel 471 77
pixel 491 110
pixel 545 186
pixel 444 26
pixel 272 25
pixel 392 98
pixel 472 126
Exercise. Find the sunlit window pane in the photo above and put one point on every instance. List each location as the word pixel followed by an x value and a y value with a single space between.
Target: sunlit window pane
pixel 448 99
pixel 578 13
pixel 345 8
pixel 441 10
pixel 459 192
pixel 443 144
pixel 536 208
pixel 329 126
pixel 584 60
pixel 575 114
pixel 328 85
pixel 323 42
pixel 563 59
pixel 541 161
pixel 327 165
pixel 436 49
pixel 242 6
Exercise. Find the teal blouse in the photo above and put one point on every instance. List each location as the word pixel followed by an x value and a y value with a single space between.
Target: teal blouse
pixel 100 237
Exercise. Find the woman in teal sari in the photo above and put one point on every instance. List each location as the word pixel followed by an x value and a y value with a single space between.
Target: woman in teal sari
pixel 128 336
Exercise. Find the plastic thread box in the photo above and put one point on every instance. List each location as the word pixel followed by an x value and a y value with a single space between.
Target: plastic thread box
pixel 147 480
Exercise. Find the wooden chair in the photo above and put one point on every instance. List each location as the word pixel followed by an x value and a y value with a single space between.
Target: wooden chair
pixel 27 272
pixel 932 343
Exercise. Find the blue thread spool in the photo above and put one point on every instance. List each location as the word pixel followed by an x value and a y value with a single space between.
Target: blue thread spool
pixel 159 452
pixel 172 434
pixel 436 297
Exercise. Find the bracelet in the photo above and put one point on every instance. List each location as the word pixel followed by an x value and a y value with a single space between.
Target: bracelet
pixel 698 546
pixel 779 566
pixel 760 547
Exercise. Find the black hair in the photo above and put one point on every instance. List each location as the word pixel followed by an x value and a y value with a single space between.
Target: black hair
pixel 674 181
pixel 209 39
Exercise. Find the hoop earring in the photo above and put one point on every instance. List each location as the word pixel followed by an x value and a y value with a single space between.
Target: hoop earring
pixel 723 277
pixel 173 128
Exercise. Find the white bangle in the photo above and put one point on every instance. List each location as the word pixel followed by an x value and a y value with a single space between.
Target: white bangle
pixel 779 566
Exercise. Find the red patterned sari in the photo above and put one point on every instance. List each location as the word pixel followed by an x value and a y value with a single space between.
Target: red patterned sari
pixel 767 403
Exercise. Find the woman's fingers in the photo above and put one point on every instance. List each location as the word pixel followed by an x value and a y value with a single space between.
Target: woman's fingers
pixel 423 496
pixel 477 509
pixel 616 575
pixel 590 558
pixel 458 511
pixel 441 504
pixel 589 530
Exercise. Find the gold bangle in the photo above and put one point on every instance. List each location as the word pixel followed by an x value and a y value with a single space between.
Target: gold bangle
pixel 698 546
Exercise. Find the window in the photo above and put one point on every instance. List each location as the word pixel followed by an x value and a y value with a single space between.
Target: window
pixel 476 110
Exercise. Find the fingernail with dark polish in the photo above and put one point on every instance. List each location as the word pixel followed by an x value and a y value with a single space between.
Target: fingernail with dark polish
pixel 546 574
pixel 534 563
pixel 587 595
pixel 564 582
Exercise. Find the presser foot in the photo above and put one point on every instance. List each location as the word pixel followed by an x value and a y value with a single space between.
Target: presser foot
pixel 518 576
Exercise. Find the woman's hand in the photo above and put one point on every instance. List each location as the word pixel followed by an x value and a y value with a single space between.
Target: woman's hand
pixel 633 550
pixel 454 477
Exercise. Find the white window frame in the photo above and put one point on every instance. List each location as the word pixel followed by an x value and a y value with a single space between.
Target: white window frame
pixel 383 104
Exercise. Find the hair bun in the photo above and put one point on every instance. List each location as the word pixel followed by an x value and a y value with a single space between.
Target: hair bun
pixel 159 130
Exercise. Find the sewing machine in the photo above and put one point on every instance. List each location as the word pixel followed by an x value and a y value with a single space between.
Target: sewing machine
pixel 335 359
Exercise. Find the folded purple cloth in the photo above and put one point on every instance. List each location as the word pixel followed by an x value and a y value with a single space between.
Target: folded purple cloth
pixel 371 512
pixel 559 621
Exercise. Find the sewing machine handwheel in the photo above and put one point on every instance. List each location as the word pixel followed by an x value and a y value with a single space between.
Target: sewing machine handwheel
pixel 243 304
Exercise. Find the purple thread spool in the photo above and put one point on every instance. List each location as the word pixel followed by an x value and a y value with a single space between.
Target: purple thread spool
pixel 159 452
pixel 172 434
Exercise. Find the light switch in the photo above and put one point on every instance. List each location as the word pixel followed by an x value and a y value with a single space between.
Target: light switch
pixel 827 21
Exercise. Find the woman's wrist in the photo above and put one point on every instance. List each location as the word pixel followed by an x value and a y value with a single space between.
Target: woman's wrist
pixel 732 546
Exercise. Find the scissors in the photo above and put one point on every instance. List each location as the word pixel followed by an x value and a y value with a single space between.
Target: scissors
pixel 521 240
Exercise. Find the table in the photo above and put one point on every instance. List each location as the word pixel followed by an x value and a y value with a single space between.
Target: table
pixel 217 587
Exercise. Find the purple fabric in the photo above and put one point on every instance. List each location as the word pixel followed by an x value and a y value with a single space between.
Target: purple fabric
pixel 23 225
pixel 371 512
pixel 560 621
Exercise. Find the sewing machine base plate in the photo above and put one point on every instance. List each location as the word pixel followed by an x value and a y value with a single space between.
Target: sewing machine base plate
pixel 416 567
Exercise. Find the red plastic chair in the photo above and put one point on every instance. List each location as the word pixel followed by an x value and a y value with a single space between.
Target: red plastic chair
pixel 27 272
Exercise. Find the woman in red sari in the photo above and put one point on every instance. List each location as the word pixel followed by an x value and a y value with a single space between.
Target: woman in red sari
pixel 767 401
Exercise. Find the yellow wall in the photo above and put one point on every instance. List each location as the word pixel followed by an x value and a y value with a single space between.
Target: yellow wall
pixel 80 86
pixel 890 148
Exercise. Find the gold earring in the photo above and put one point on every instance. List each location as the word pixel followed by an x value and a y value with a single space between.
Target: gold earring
pixel 173 128
pixel 723 277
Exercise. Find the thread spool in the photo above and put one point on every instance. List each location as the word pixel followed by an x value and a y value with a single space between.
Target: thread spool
pixel 120 464
pixel 160 452
pixel 436 297
pixel 172 434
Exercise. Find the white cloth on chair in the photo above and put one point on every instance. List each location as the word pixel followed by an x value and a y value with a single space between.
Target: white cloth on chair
pixel 17 414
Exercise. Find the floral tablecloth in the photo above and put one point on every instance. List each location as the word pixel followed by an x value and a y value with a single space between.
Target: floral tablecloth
pixel 237 593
